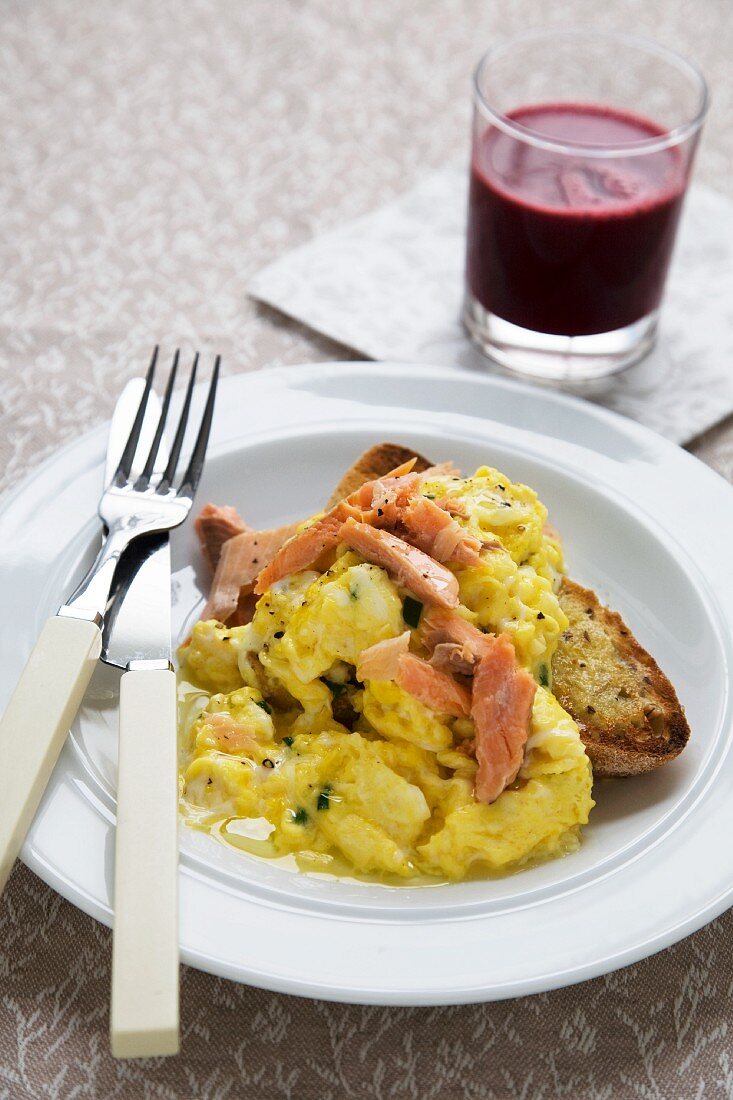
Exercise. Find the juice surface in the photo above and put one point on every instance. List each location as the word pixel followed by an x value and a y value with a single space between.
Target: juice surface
pixel 567 243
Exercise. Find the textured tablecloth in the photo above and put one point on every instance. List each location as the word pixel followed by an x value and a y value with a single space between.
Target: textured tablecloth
pixel 153 156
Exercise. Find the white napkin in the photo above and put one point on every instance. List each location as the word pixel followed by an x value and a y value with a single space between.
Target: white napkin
pixel 390 284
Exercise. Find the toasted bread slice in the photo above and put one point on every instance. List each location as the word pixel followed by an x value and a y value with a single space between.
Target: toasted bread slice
pixel 376 462
pixel 628 713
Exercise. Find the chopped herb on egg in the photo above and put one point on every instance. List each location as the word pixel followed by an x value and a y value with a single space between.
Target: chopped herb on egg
pixel 265 706
pixel 411 611
pixel 300 816
pixel 544 676
pixel 323 802
pixel 288 741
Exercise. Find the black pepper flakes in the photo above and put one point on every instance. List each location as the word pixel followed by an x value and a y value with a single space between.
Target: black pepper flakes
pixel 268 763
pixel 590 710
pixel 279 634
pixel 540 615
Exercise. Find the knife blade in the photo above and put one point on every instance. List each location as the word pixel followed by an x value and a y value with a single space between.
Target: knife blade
pixel 137 624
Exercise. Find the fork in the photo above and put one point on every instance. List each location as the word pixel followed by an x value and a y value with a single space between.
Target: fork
pixel 146 505
pixel 144 1012
pixel 52 684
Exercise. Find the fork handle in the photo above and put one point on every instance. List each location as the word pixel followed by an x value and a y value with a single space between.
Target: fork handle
pixel 37 720
pixel 144 1012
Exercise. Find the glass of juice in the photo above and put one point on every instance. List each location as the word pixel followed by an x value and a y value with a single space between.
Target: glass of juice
pixel 583 143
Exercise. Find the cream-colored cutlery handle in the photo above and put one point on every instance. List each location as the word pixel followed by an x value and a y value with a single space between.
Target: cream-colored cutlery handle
pixel 144 1015
pixel 37 720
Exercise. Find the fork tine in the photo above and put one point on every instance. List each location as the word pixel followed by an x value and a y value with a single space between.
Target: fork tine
pixel 144 479
pixel 193 473
pixel 170 470
pixel 122 472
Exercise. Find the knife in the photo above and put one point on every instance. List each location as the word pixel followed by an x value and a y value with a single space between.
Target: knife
pixel 144 1019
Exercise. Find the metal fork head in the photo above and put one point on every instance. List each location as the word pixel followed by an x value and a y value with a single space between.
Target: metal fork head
pixel 150 502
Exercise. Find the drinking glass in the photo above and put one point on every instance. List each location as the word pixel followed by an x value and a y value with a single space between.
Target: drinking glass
pixel 583 143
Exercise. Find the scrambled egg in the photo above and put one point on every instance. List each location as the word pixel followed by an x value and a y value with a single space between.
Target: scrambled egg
pixel 352 777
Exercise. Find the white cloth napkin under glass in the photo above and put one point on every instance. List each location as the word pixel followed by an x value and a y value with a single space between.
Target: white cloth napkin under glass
pixel 389 285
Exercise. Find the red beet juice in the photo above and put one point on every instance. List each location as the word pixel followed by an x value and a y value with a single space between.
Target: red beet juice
pixel 567 243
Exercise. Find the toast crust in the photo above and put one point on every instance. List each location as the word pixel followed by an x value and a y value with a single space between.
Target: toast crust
pixel 374 463
pixel 628 713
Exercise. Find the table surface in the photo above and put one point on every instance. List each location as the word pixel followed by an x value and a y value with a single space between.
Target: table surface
pixel 154 158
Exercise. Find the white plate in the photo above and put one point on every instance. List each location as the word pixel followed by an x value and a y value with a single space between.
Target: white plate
pixel 645 524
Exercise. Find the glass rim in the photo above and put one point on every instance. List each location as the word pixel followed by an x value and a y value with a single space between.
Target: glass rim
pixel 675 136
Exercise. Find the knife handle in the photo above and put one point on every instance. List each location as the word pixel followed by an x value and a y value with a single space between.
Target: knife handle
pixel 37 720
pixel 144 1011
